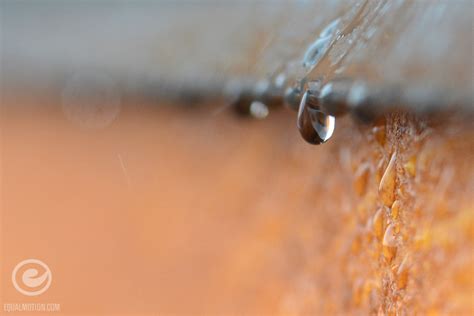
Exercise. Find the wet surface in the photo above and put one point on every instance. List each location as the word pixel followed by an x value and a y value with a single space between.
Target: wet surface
pixel 370 57
pixel 170 47
pixel 315 126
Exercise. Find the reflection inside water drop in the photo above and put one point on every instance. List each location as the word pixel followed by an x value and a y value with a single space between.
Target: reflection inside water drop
pixel 324 124
pixel 315 126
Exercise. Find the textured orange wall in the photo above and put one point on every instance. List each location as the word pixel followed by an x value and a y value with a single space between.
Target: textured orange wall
pixel 181 211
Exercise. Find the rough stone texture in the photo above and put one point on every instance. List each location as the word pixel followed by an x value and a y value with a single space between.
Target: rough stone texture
pixel 179 211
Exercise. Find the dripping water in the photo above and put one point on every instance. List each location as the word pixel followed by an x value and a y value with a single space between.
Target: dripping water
pixel 315 126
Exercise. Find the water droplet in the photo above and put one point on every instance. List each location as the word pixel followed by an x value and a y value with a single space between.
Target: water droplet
pixel 361 179
pixel 258 110
pixel 378 223
pixel 315 51
pixel 389 243
pixel 314 125
pixel 330 29
pixel 387 184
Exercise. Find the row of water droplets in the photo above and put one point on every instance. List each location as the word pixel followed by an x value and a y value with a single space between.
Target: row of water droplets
pixel 316 101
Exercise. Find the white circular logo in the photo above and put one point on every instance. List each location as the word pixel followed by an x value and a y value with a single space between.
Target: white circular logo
pixel 31 277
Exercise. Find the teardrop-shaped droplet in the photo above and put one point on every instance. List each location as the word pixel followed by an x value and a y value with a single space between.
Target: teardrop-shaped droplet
pixel 315 51
pixel 314 125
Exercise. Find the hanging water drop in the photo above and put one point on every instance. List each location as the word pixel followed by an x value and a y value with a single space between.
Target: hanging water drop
pixel 315 126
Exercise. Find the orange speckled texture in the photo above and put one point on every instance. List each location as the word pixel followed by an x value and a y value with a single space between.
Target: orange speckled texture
pixel 178 211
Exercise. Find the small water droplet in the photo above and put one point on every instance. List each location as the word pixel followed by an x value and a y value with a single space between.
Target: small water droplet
pixel 315 126
pixel 315 51
pixel 387 183
pixel 330 29
pixel 389 243
pixel 258 110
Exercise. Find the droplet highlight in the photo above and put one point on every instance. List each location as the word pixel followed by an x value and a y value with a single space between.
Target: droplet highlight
pixel 258 110
pixel 389 243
